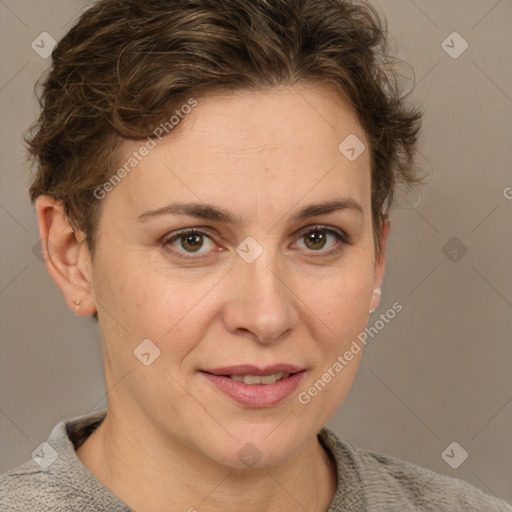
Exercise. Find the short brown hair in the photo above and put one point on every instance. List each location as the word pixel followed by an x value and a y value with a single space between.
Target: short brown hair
pixel 127 64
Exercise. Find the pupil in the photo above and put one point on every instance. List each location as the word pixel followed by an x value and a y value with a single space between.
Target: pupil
pixel 192 242
pixel 317 239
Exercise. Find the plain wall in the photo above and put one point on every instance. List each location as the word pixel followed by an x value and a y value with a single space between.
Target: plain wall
pixel 439 372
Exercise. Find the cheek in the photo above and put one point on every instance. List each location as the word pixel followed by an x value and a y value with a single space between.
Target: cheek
pixel 340 309
pixel 341 301
pixel 143 301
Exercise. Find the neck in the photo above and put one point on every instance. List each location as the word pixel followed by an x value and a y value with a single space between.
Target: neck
pixel 150 474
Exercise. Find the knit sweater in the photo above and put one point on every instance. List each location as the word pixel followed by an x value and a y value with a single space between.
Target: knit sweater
pixel 56 480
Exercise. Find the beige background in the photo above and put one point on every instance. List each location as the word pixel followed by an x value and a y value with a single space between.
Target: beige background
pixel 439 372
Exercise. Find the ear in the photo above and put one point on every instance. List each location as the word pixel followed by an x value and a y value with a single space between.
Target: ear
pixel 380 264
pixel 67 257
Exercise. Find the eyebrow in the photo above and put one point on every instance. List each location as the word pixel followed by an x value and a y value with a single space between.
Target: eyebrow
pixel 214 213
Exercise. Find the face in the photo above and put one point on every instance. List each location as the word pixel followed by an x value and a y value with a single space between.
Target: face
pixel 241 245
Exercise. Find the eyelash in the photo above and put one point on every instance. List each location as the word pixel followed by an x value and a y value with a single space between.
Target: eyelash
pixel 341 237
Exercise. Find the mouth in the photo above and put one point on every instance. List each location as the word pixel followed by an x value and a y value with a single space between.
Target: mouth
pixel 254 386
pixel 250 374
pixel 257 379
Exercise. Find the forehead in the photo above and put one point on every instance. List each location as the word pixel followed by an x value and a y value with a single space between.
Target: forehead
pixel 286 119
pixel 273 146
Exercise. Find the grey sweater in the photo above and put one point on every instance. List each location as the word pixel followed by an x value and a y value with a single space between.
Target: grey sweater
pixel 56 480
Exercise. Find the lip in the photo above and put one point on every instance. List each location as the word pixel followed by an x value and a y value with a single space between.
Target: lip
pixel 255 395
pixel 248 369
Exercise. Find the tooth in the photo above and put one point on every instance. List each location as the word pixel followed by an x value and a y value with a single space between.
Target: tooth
pixel 252 379
pixel 256 379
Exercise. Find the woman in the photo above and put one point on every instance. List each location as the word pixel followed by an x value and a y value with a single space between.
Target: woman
pixel 213 184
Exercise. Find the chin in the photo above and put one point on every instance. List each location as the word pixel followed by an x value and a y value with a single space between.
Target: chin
pixel 258 447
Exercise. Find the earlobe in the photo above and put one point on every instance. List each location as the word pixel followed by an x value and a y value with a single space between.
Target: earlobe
pixel 380 265
pixel 67 257
pixel 374 303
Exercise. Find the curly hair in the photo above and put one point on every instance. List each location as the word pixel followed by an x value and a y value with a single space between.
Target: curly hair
pixel 127 64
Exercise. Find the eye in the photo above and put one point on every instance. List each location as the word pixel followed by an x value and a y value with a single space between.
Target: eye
pixel 323 239
pixel 189 241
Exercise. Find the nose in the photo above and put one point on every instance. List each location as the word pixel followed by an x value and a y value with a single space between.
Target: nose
pixel 262 304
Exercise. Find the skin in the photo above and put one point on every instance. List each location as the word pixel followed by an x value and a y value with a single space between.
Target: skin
pixel 170 439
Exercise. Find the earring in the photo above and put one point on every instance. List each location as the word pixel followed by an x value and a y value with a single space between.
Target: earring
pixel 377 291
pixel 77 302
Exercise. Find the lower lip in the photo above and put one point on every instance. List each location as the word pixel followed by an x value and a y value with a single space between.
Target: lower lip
pixel 256 395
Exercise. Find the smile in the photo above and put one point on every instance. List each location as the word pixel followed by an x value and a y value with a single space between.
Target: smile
pixel 256 379
pixel 256 387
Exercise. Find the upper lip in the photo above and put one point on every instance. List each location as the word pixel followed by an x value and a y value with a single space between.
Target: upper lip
pixel 249 369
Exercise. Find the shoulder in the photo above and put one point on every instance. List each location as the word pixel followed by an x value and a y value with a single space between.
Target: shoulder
pixel 30 487
pixel 388 483
pixel 423 487
pixel 55 479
